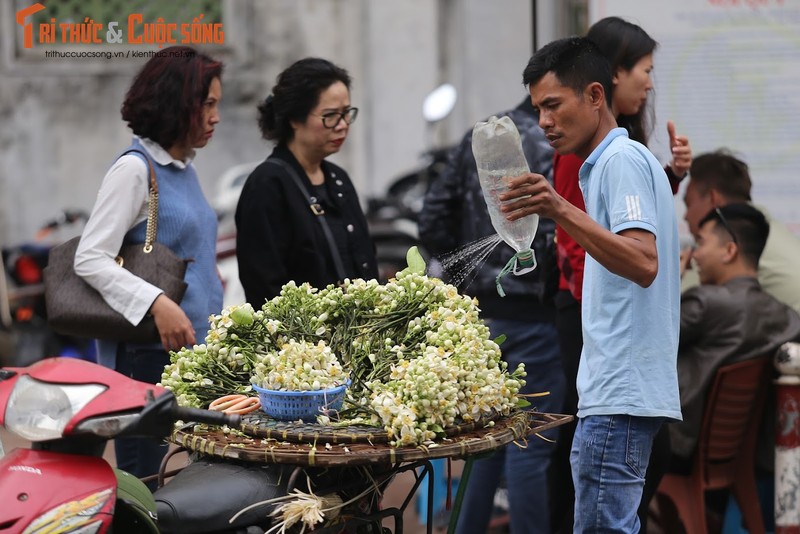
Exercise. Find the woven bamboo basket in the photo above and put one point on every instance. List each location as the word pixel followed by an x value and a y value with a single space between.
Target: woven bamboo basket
pixel 341 447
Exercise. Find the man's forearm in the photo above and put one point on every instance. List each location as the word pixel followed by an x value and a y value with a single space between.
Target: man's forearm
pixel 631 254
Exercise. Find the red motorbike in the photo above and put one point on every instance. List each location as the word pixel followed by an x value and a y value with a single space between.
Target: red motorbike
pixel 69 408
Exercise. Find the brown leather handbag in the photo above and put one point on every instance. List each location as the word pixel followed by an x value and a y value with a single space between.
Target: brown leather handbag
pixel 75 308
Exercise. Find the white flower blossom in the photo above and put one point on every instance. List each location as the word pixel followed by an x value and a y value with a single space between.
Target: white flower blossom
pixel 419 355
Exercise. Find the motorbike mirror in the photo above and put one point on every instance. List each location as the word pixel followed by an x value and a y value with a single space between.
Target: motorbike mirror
pixel 439 103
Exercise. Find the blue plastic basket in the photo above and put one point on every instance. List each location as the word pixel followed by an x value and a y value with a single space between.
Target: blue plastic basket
pixel 305 405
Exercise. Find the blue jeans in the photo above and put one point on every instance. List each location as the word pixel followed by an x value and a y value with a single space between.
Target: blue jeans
pixel 609 459
pixel 525 469
pixel 141 457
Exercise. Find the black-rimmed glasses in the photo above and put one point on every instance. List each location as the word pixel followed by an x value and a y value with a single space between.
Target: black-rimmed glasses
pixel 331 119
pixel 727 226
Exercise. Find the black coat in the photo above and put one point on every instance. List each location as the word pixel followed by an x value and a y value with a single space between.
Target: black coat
pixel 278 238
pixel 721 325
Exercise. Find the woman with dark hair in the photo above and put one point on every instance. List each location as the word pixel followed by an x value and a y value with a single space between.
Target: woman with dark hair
pixel 172 109
pixel 630 50
pixel 298 216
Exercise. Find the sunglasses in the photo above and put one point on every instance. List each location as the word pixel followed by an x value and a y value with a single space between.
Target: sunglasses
pixel 727 226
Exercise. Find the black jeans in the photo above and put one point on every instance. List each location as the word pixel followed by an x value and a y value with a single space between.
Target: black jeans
pixel 141 457
pixel 570 337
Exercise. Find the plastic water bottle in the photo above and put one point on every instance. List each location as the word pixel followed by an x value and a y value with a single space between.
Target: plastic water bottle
pixel 498 153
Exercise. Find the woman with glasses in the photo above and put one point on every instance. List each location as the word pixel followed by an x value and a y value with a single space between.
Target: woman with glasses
pixel 298 216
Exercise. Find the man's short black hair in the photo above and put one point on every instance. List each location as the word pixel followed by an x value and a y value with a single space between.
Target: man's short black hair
pixel 722 171
pixel 576 63
pixel 748 225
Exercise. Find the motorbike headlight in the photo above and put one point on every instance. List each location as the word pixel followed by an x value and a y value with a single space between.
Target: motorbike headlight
pixel 39 411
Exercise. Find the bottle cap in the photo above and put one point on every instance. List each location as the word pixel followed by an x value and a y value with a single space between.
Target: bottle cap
pixel 525 259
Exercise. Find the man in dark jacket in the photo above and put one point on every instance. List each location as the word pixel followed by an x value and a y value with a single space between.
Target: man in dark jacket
pixel 727 318
pixel 455 215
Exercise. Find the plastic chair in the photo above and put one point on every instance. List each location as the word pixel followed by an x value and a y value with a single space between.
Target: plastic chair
pixel 725 456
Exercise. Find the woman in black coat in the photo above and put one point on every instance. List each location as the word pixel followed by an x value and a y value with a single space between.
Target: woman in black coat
pixel 295 199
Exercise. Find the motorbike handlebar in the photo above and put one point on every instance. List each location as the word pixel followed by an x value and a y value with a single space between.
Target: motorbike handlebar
pixel 210 417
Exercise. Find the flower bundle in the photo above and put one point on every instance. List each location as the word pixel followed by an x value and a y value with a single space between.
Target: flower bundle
pixel 417 353
pixel 299 366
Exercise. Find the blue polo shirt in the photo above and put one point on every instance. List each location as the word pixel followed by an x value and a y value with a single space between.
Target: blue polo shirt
pixel 630 333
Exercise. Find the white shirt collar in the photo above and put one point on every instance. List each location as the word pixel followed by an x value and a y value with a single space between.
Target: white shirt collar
pixel 162 157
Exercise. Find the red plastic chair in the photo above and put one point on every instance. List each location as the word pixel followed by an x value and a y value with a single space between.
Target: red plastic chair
pixel 725 457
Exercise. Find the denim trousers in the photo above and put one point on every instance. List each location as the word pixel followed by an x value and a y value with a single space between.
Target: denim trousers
pixel 141 457
pixel 570 339
pixel 609 459
pixel 525 468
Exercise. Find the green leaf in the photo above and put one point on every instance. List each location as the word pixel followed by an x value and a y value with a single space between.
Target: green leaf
pixel 522 403
pixel 242 315
pixel 500 339
pixel 416 263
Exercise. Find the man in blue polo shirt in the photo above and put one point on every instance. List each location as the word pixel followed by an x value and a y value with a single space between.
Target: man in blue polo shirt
pixel 627 379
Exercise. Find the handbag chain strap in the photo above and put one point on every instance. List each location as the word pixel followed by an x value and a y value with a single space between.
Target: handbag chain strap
pixel 152 216
pixel 152 207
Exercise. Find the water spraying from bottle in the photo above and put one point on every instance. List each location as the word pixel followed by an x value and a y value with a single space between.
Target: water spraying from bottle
pixel 498 153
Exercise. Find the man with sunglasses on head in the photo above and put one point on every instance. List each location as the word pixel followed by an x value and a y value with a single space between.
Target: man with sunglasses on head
pixel 719 178
pixel 727 318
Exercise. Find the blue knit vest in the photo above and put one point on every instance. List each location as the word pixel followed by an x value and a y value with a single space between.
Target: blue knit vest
pixel 187 225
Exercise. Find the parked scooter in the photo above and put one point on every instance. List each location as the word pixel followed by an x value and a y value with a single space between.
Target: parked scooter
pixel 22 306
pixel 393 218
pixel 69 409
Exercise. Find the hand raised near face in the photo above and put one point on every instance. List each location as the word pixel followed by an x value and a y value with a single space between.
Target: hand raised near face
pixel 681 151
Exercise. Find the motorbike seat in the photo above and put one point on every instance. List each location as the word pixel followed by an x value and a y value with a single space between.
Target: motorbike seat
pixel 206 494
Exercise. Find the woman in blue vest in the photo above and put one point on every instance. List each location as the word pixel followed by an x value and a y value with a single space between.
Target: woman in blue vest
pixel 172 107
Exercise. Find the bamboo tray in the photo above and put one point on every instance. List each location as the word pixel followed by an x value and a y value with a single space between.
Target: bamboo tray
pixel 258 424
pixel 316 450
